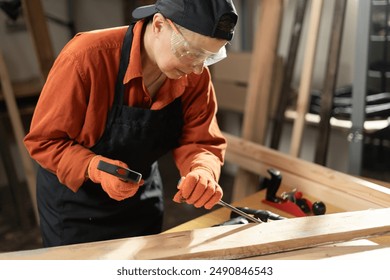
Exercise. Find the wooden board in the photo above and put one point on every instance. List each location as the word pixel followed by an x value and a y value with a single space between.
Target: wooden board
pixel 260 85
pixel 261 70
pixel 286 88
pixel 39 31
pixel 352 252
pixel 330 82
pixel 228 242
pixel 306 77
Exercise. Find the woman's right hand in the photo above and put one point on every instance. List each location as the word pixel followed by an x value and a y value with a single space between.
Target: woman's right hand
pixel 115 188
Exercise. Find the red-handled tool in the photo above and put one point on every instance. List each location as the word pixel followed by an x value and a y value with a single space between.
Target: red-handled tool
pixel 122 173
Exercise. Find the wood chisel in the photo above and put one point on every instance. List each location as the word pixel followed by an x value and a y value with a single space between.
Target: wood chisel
pixel 125 174
pixel 239 212
pixel 232 208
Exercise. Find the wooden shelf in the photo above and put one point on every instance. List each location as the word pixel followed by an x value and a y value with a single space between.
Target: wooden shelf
pixel 346 125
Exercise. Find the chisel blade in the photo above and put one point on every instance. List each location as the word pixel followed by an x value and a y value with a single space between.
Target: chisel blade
pixel 239 212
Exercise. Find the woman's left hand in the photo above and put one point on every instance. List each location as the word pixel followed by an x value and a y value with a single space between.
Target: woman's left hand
pixel 199 188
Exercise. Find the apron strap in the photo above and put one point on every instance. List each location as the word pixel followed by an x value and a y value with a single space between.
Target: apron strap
pixel 124 62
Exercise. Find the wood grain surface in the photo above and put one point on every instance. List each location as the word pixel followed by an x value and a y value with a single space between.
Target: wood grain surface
pixel 229 242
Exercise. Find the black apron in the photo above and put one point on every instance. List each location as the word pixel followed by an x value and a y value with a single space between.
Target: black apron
pixel 135 136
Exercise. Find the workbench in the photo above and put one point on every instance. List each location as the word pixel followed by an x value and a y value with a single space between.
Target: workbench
pixel 120 248
pixel 356 223
pixel 221 214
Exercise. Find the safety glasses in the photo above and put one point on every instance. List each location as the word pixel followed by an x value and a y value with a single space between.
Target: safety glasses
pixel 183 50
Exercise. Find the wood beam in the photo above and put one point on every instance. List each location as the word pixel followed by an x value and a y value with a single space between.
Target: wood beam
pixel 285 92
pixel 228 242
pixel 36 23
pixel 306 78
pixel 363 252
pixel 324 128
pixel 259 85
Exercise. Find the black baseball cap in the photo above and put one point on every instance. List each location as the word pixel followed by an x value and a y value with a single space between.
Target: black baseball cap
pixel 200 16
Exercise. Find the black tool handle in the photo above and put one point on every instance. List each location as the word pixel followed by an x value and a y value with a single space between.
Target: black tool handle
pixel 234 221
pixel 263 215
pixel 272 185
pixel 122 173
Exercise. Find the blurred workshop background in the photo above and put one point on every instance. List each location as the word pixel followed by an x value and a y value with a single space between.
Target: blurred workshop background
pixel 358 136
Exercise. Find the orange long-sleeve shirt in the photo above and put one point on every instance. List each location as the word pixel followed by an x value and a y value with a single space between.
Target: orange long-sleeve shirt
pixel 71 113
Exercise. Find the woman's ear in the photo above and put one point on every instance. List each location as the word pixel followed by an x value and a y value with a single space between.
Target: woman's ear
pixel 158 22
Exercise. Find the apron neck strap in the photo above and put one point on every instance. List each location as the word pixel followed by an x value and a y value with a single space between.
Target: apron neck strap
pixel 124 62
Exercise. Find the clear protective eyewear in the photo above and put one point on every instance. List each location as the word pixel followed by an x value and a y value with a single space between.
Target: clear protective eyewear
pixel 188 54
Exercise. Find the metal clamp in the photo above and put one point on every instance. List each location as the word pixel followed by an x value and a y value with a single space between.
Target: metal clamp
pixel 355 136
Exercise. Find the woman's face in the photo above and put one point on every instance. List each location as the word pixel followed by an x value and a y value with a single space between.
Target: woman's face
pixel 179 52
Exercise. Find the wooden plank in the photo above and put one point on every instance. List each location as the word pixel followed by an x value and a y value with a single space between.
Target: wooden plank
pixel 19 131
pixel 306 78
pixel 36 22
pixel 261 70
pixel 259 87
pixel 278 78
pixel 334 51
pixel 322 252
pixel 228 242
pixel 349 192
pixel 285 90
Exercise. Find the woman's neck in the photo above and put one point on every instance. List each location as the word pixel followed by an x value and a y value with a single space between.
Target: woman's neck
pixel 152 75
